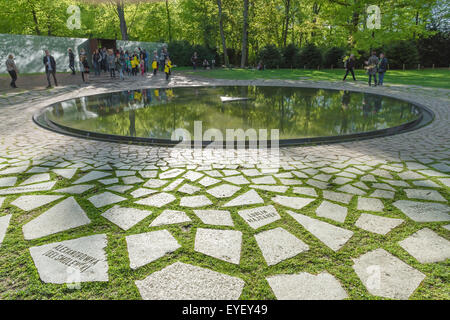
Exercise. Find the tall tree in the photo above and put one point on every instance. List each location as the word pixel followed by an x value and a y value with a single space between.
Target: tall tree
pixel 222 34
pixel 169 23
pixel 120 7
pixel 244 35
pixel 287 7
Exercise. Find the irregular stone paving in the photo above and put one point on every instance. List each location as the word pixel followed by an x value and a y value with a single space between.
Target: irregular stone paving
pixel 52 185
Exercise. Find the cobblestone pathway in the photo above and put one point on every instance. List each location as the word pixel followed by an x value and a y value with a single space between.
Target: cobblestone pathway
pixel 359 220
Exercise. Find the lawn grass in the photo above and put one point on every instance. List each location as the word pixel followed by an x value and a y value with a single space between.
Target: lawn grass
pixel 435 78
pixel 19 278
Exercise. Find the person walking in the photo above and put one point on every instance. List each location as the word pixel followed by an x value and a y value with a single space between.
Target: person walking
pixel 162 59
pixel 382 68
pixel 12 70
pixel 111 63
pixel 372 68
pixel 146 58
pixel 155 64
pixel 119 65
pixel 194 59
pixel 167 67
pixel 50 68
pixel 71 61
pixel 84 67
pixel 350 66
pixel 96 62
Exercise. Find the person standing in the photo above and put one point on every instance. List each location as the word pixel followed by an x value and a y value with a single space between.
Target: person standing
pixel 167 67
pixel 111 63
pixel 162 59
pixel 350 66
pixel 119 65
pixel 146 58
pixel 382 68
pixel 12 70
pixel 372 68
pixel 50 68
pixel 96 61
pixel 84 66
pixel 194 59
pixel 71 61
pixel 155 63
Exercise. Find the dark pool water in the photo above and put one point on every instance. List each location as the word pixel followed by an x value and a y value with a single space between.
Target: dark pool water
pixel 297 112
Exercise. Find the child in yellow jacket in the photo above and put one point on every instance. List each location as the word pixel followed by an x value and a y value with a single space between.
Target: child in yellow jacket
pixel 167 67
pixel 155 66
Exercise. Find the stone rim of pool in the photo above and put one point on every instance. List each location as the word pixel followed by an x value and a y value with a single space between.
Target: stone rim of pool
pixel 426 116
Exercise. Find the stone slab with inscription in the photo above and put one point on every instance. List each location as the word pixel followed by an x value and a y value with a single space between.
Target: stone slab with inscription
pixel 71 261
pixel 261 216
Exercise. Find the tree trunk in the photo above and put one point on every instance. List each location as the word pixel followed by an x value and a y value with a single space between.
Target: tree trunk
pixel 244 35
pixel 286 24
pixel 169 24
pixel 123 23
pixel 36 24
pixel 222 35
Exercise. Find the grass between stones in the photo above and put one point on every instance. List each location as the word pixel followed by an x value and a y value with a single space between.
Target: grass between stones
pixel 435 78
pixel 19 278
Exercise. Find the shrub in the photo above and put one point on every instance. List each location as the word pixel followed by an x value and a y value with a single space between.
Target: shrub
pixel 334 57
pixel 180 52
pixel 270 56
pixel 402 52
pixel 291 56
pixel 311 57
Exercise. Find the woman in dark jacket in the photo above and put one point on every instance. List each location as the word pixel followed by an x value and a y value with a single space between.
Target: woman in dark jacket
pixel 382 68
pixel 350 66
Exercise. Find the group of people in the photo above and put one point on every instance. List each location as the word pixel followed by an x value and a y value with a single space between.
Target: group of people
pixel 374 66
pixel 206 65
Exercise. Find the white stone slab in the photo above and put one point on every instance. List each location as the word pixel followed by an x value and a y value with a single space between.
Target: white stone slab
pixel 239 180
pixel 45 186
pixel 63 216
pixel 78 260
pixel 13 170
pixel 8 181
pixel 155 183
pixel 410 175
pixel 427 246
pixel 173 185
pixel 277 189
pixel 337 196
pixel 305 286
pixel 220 244
pixel 125 173
pixel 79 189
pixel 377 224
pixel 292 202
pixel 223 191
pixel 305 191
pixel 246 199
pixel 423 211
pixel 125 218
pixel 426 184
pixel 278 245
pixel 157 200
pixel 378 193
pixel 148 174
pixel 132 180
pixel 215 217
pixel 332 211
pixel 170 217
pixel 316 183
pixel 333 237
pixel 208 181
pixel 370 204
pixel 41 177
pixel 291 182
pixel 188 189
pixel 383 186
pixel 169 174
pixel 93 175
pixel 195 201
pixel 105 198
pixel 28 203
pixel 261 216
pixel 193 175
pixel 142 192
pixel 4 223
pixel 352 190
pixel 109 181
pixel 147 247
pixel 264 180
pixel 119 188
pixel 424 194
pixel 387 276
pixel 181 281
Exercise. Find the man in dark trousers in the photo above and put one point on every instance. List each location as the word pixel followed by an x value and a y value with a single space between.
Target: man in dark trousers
pixel 50 68
pixel 71 61
pixel 350 66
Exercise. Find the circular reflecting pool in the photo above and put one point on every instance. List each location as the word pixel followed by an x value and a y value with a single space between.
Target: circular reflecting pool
pixel 300 114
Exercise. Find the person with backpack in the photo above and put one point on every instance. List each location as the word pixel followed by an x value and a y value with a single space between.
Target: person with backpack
pixel 71 61
pixel 350 66
pixel 50 68
pixel 382 68
pixel 111 59
pixel 84 66
pixel 167 67
pixel 372 68
pixel 12 70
